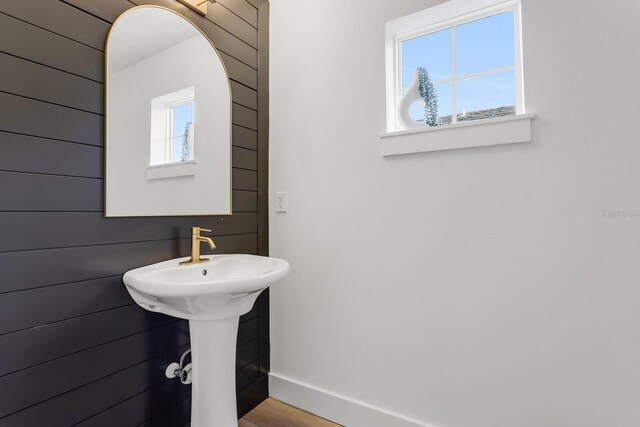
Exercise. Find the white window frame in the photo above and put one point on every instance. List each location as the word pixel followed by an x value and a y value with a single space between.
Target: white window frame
pixel 160 144
pixel 447 15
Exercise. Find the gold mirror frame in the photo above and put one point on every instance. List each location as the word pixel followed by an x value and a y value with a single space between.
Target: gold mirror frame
pixel 106 103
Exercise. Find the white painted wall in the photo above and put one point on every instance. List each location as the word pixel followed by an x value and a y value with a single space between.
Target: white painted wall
pixel 467 288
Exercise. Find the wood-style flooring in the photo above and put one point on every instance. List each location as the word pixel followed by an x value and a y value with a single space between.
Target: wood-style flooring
pixel 272 413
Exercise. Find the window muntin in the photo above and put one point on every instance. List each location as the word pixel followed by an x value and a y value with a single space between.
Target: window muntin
pixel 472 63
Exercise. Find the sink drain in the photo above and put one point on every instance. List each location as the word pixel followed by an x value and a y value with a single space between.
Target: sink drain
pixel 204 272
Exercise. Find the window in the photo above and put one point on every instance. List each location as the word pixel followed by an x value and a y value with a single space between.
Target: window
pixel 180 133
pixel 172 128
pixel 456 62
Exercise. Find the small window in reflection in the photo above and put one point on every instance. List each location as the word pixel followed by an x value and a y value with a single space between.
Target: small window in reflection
pixel 181 132
pixel 172 128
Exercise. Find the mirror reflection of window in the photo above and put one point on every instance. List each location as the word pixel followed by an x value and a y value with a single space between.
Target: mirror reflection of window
pixel 173 128
pixel 180 143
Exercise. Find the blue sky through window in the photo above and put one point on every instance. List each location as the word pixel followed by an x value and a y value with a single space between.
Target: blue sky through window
pixel 488 91
pixel 485 44
pixel 432 51
pixel 481 45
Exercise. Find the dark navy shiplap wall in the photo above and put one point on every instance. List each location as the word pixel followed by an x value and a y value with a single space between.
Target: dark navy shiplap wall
pixel 74 348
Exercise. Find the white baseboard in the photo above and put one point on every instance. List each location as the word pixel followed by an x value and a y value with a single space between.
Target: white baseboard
pixel 334 407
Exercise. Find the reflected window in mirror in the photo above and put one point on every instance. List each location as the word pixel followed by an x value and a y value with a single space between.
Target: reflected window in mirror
pixel 172 128
pixel 180 144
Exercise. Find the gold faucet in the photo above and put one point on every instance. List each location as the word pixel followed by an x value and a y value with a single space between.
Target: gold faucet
pixel 196 240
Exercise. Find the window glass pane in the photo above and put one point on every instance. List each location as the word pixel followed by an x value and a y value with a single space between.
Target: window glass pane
pixel 485 44
pixel 182 117
pixel 432 51
pixel 445 102
pixel 485 97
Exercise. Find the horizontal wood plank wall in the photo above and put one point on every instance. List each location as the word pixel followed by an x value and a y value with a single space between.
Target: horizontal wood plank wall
pixel 74 347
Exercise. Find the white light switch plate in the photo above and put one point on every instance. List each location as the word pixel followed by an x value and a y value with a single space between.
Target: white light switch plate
pixel 281 202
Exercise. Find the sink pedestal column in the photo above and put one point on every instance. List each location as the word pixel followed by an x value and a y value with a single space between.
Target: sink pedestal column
pixel 213 358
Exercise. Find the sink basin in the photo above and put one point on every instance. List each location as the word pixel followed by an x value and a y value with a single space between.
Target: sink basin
pixel 225 286
pixel 212 295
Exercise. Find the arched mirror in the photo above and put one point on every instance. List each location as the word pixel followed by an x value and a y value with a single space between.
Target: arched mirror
pixel 168 118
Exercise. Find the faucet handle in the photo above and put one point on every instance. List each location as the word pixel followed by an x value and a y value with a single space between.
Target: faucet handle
pixel 197 230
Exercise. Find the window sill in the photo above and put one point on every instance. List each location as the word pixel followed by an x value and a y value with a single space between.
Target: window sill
pixel 501 130
pixel 171 170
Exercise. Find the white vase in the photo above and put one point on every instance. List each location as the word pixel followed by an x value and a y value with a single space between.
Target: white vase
pixel 404 107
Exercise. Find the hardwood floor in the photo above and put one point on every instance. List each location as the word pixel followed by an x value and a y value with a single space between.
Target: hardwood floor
pixel 272 413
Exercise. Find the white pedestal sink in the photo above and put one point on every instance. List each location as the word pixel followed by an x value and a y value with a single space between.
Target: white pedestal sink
pixel 212 296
